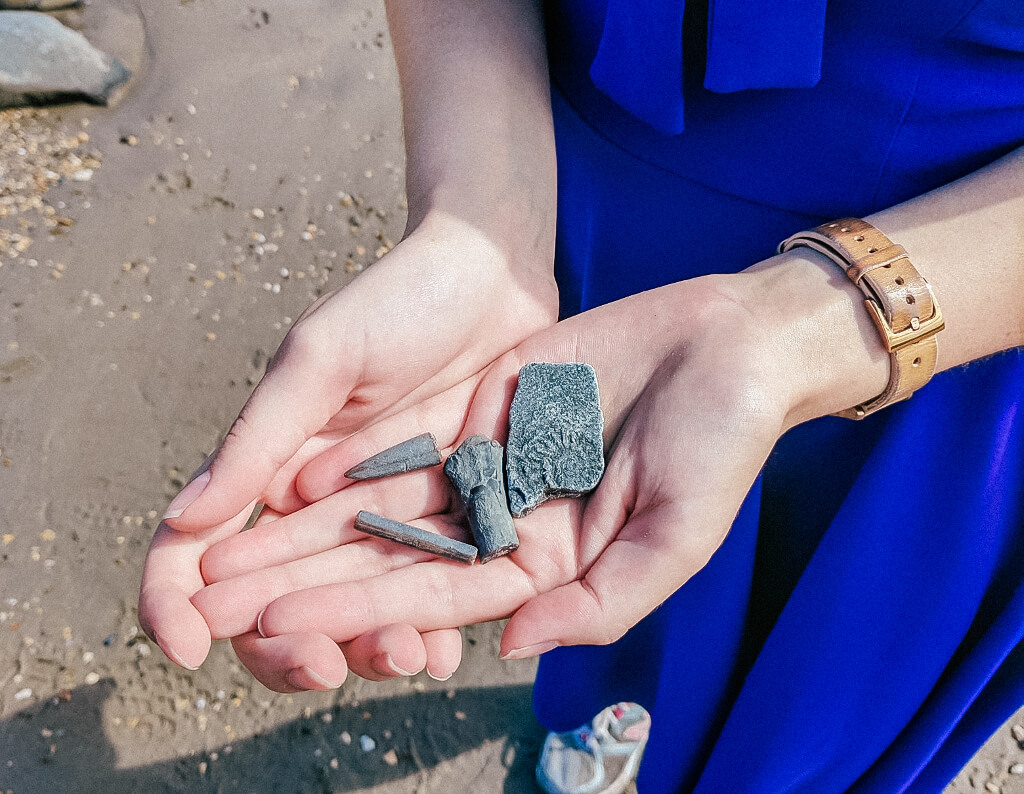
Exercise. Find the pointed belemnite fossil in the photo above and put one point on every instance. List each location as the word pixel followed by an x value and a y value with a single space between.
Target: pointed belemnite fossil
pixel 417 538
pixel 555 445
pixel 475 470
pixel 416 453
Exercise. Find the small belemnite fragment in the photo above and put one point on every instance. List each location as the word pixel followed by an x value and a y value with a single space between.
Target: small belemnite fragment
pixel 416 453
pixel 475 470
pixel 555 446
pixel 380 527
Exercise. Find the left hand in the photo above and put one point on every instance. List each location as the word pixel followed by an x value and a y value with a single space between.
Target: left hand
pixel 698 380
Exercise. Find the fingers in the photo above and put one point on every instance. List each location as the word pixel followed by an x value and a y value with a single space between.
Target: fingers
pixel 326 524
pixel 293 662
pixel 387 652
pixel 309 660
pixel 301 391
pixel 444 652
pixel 232 606
pixel 429 595
pixel 400 650
pixel 170 577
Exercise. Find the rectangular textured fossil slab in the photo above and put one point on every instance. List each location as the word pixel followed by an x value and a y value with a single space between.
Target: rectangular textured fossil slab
pixel 417 538
pixel 555 447
pixel 475 470
pixel 416 453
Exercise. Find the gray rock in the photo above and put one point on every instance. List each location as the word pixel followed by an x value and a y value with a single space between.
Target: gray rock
pixel 417 538
pixel 43 61
pixel 555 446
pixel 416 453
pixel 475 471
pixel 36 5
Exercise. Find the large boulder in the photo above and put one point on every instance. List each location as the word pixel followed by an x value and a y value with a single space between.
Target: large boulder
pixel 41 60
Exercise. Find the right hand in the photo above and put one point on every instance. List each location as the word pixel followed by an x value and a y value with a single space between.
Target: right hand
pixel 443 304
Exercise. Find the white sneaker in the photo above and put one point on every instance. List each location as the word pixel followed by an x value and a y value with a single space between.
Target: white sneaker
pixel 601 757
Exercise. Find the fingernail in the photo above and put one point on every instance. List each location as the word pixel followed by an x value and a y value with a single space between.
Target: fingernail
pixel 530 650
pixel 437 678
pixel 173 655
pixel 259 623
pixel 187 496
pixel 385 665
pixel 305 678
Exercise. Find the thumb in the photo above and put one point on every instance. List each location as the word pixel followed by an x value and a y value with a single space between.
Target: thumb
pixel 649 559
pixel 299 394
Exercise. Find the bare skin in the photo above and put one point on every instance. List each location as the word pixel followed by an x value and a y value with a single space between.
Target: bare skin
pixel 717 370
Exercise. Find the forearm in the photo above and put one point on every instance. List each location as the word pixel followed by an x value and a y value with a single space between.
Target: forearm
pixel 966 238
pixel 477 115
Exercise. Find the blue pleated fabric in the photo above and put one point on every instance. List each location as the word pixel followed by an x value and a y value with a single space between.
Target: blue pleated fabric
pixel 862 627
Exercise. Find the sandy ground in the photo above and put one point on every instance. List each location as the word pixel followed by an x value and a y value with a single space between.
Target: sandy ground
pixel 152 256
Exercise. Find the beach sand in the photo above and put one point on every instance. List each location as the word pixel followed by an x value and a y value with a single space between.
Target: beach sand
pixel 152 257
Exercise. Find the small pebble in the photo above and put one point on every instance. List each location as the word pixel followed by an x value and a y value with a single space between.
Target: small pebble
pixel 992 788
pixel 23 694
pixel 391 758
pixel 1018 732
pixel 109 640
pixel 1017 769
pixel 365 742
pixel 92 678
pixel 346 737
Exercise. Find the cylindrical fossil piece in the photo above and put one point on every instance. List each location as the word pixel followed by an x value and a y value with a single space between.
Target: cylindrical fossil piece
pixel 475 470
pixel 417 538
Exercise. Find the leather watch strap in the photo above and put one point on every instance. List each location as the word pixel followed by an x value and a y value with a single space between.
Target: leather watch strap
pixel 900 301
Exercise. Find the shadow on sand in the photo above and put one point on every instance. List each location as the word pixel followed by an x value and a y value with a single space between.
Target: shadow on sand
pixel 427 729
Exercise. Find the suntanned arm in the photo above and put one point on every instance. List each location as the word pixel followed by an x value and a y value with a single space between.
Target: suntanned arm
pixel 477 115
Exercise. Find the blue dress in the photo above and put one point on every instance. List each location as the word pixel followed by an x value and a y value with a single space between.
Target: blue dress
pixel 862 627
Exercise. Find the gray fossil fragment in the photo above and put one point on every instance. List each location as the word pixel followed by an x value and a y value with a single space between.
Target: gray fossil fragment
pixel 43 61
pixel 554 446
pixel 476 472
pixel 416 453
pixel 381 527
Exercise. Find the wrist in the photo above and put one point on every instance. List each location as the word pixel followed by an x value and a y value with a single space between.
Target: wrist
pixel 818 331
pixel 519 234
